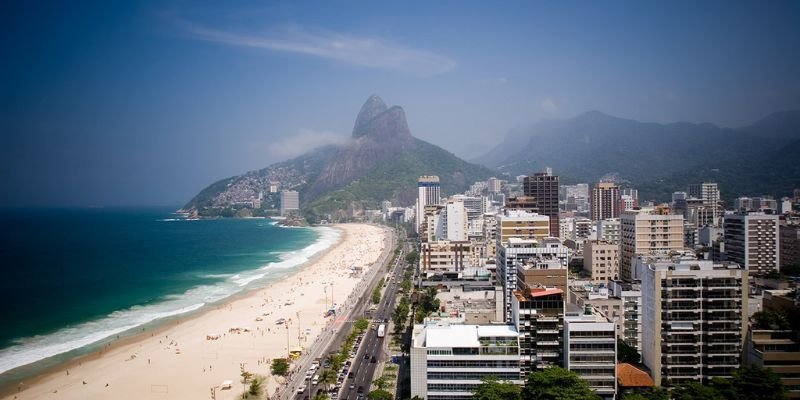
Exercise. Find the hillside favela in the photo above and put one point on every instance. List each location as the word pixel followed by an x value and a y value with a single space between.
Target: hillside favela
pixel 409 200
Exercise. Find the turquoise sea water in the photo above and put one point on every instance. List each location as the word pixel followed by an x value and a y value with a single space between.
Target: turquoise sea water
pixel 72 278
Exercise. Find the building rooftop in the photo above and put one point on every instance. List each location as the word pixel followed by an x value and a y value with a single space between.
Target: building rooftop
pixel 449 336
pixel 630 376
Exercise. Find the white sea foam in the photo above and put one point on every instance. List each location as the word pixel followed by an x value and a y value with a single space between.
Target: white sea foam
pixel 40 347
pixel 29 350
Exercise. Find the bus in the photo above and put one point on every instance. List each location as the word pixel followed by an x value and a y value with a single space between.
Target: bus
pixel 381 330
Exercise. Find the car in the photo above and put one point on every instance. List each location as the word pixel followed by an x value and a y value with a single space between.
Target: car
pixel 352 386
pixel 360 390
pixel 385 320
pixel 301 389
pixel 348 363
pixel 372 360
pixel 351 375
pixel 326 364
pixel 360 397
pixel 366 356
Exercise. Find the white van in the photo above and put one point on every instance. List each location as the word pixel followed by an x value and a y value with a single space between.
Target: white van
pixel 315 379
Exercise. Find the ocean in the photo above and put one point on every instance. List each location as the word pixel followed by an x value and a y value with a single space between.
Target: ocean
pixel 75 278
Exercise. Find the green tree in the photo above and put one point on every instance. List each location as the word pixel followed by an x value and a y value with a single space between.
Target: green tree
pixel 280 367
pixel 321 396
pixel 327 377
pixel 627 353
pixel 757 383
pixel 492 389
pixel 556 383
pixel 376 295
pixel 412 258
pixel 381 383
pixel 361 324
pixel 428 301
pixel 255 387
pixel 771 319
pixel 379 394
pixel 651 393
pixel 696 391
pixel 245 375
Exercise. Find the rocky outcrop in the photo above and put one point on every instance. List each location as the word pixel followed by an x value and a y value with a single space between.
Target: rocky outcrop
pixel 378 136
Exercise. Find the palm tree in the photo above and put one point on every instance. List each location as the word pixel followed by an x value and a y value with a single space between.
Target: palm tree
pixel 327 377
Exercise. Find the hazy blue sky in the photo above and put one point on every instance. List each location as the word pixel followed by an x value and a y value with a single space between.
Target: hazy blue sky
pixel 117 102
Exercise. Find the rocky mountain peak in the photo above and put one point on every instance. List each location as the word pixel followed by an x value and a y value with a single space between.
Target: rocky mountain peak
pixel 373 107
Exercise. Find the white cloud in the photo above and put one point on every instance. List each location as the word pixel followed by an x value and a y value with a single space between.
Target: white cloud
pixel 303 141
pixel 361 51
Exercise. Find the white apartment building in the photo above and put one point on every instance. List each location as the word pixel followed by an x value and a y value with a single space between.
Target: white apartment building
pixel 514 252
pixel 631 295
pixel 647 231
pixel 694 318
pixel 590 350
pixel 608 230
pixel 449 361
pixel 290 202
pixel 453 221
pixel 753 241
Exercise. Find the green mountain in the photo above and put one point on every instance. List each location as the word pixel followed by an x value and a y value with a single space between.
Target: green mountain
pixel 382 161
pixel 657 158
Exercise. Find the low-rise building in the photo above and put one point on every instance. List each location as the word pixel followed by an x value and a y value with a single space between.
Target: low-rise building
pixel 448 361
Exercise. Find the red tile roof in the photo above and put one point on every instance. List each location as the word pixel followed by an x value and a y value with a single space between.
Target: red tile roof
pixel 630 376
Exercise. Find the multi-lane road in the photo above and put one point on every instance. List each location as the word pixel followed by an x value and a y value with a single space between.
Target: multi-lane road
pixel 374 348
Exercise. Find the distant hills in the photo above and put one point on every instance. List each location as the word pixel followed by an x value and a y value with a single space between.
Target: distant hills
pixel 761 158
pixel 382 161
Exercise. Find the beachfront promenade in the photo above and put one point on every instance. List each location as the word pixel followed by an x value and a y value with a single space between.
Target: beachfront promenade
pixel 338 328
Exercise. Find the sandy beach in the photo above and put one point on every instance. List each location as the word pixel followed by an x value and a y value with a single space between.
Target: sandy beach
pixel 188 358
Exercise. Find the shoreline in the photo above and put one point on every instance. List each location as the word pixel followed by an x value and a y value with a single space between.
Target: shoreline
pixel 30 373
pixel 56 375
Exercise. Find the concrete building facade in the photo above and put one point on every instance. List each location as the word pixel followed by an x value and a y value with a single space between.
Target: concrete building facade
pixel 449 361
pixel 605 201
pixel 752 240
pixel 601 261
pixel 694 318
pixel 647 231
pixel 544 187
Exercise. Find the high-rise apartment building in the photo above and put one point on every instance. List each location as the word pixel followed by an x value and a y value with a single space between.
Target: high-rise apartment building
pixel 493 185
pixel 708 192
pixel 608 230
pixel 790 244
pixel 601 260
pixel 694 318
pixel 429 193
pixel 453 221
pixel 647 231
pixel 544 187
pixel 605 201
pixel 290 202
pixel 538 315
pixel 514 255
pixel 752 240
pixel 523 225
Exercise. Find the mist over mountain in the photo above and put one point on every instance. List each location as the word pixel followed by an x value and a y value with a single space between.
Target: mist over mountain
pixel 382 161
pixel 659 158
